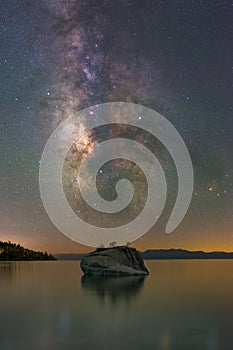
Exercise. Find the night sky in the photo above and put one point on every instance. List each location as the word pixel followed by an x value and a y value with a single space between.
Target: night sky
pixel 176 57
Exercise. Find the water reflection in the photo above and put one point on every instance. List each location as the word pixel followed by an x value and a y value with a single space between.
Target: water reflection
pixel 181 305
pixel 113 288
pixel 7 271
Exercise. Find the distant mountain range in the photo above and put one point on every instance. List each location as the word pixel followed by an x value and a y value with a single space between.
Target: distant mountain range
pixel 69 256
pixel 12 251
pixel 163 254
pixel 184 254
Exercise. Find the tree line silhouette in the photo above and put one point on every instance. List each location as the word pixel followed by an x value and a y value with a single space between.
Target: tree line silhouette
pixel 12 251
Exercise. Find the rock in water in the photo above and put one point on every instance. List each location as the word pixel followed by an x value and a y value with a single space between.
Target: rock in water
pixel 114 261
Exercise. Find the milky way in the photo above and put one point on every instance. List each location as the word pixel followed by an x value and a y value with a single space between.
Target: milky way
pixel 90 74
pixel 88 71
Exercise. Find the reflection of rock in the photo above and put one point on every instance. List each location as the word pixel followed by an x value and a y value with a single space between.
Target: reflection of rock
pixel 114 261
pixel 113 287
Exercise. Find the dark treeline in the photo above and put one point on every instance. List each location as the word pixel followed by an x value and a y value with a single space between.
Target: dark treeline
pixel 14 252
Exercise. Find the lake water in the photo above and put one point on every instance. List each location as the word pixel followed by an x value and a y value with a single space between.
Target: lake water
pixel 181 305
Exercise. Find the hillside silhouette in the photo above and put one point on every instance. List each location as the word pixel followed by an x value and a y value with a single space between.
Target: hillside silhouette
pixel 13 252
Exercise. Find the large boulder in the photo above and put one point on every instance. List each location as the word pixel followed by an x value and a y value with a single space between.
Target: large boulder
pixel 114 261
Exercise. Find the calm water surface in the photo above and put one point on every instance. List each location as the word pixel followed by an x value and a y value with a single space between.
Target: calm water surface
pixel 181 305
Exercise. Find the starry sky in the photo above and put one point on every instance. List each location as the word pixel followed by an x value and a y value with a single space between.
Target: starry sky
pixel 60 56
